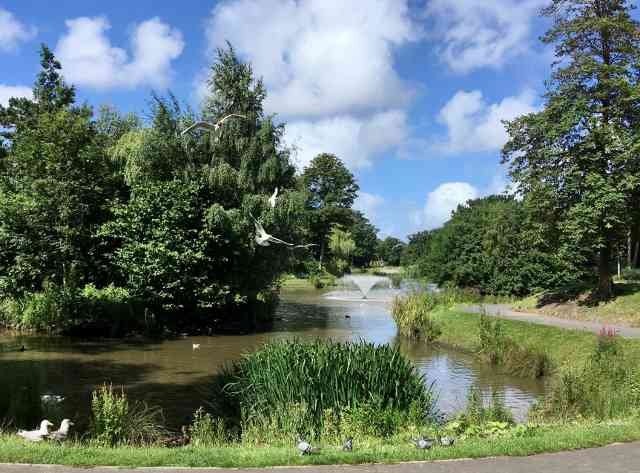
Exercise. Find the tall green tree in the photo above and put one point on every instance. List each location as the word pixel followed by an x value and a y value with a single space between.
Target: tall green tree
pixel 185 241
pixel 576 161
pixel 364 234
pixel 54 188
pixel 331 191
pixel 390 250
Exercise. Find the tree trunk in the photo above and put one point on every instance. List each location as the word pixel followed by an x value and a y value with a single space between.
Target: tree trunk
pixel 605 283
pixel 634 245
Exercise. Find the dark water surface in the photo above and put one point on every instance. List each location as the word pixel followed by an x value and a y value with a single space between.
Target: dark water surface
pixel 173 375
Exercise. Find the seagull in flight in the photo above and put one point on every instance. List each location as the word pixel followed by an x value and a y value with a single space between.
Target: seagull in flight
pixel 263 238
pixel 211 126
pixel 272 199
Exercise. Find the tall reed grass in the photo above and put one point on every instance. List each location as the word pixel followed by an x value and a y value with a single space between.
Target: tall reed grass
pixel 318 387
pixel 413 313
pixel 607 386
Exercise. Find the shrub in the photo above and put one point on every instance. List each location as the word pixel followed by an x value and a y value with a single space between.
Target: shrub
pixel 316 281
pixel 287 387
pixel 631 274
pixel 412 314
pixel 117 422
pixel 206 430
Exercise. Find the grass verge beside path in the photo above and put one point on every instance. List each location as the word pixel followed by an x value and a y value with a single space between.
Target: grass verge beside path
pixel 460 330
pixel 624 309
pixel 550 438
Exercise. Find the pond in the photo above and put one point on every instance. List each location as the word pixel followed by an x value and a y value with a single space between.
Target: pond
pixel 174 375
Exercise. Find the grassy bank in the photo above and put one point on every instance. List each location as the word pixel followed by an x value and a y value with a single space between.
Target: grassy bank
pixel 624 309
pixel 549 438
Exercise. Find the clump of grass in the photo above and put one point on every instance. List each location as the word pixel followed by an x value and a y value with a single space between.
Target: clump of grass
pixel 480 418
pixel 116 421
pixel 607 386
pixel 412 314
pixel 514 358
pixel 296 387
pixel 207 431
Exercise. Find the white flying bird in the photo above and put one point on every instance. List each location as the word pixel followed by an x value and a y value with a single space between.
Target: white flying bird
pixel 211 126
pixel 272 199
pixel 263 238
pixel 36 435
pixel 195 346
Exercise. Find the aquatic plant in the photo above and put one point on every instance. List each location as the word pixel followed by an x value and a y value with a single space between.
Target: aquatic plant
pixel 412 314
pixel 206 430
pixel 288 387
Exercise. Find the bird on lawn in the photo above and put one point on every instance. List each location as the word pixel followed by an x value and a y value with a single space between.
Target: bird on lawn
pixel 38 434
pixel 347 446
pixel 63 432
pixel 272 199
pixel 305 447
pixel 211 126
pixel 423 443
pixel 447 441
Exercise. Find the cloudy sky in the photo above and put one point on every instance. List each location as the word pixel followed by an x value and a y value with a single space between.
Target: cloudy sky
pixel 409 94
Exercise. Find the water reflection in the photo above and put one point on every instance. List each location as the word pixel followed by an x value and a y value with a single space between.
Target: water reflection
pixel 170 373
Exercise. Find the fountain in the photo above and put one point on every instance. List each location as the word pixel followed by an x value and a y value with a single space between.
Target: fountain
pixel 366 282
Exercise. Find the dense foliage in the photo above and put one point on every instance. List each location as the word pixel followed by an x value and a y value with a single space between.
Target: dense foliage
pixel 576 161
pixel 488 245
pixel 299 387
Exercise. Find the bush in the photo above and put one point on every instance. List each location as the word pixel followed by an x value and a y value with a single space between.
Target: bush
pixel 288 387
pixel 502 351
pixel 316 281
pixel 117 422
pixel 631 274
pixel 206 430
pixel 412 314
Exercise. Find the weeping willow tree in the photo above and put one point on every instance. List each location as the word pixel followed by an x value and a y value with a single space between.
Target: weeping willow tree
pixel 342 247
pixel 185 239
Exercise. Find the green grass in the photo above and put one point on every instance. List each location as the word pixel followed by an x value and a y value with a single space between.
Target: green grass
pixel 294 284
pixel 624 309
pixel 549 438
pixel 564 347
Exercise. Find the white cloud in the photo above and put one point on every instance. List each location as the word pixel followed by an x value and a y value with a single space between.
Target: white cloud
pixel 445 199
pixel 319 57
pixel 482 33
pixel 474 126
pixel 8 91
pixel 89 59
pixel 369 204
pixel 354 140
pixel 12 31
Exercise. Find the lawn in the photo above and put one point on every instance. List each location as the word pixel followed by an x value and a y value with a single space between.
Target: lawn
pixel 461 331
pixel 549 438
pixel 624 309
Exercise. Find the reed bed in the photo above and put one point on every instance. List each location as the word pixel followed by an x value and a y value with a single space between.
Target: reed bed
pixel 316 387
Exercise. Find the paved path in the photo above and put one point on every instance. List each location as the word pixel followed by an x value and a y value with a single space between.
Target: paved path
pixel 619 458
pixel 504 311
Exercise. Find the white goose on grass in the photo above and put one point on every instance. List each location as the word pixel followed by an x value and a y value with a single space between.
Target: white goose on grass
pixel 36 435
pixel 63 432
pixel 211 126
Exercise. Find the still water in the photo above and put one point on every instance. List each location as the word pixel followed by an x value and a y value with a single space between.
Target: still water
pixel 174 375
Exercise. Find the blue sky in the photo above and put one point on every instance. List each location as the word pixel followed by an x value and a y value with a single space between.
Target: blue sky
pixel 410 94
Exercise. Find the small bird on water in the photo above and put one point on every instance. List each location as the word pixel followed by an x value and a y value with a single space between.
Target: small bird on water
pixel 38 434
pixel 348 445
pixel 63 432
pixel 423 443
pixel 195 346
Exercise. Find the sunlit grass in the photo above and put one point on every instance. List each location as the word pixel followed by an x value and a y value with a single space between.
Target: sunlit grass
pixel 551 438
